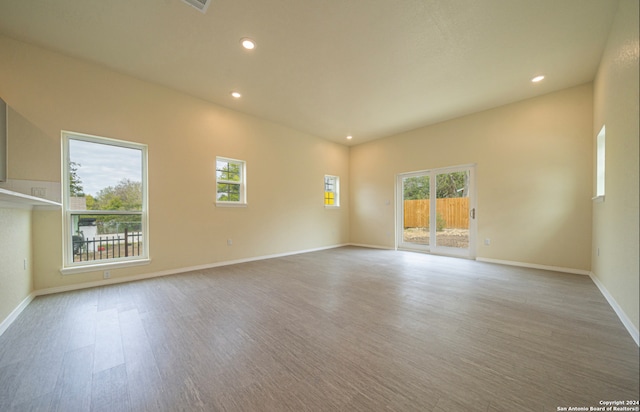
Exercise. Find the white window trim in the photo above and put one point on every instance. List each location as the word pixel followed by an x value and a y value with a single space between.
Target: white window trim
pixel 230 204
pixel 71 267
pixel 104 266
pixel 243 183
pixel 336 204
pixel 600 165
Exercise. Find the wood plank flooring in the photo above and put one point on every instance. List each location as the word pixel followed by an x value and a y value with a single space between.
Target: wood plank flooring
pixel 348 329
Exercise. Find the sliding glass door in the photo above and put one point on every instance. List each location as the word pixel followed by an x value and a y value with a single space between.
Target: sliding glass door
pixel 415 204
pixel 436 211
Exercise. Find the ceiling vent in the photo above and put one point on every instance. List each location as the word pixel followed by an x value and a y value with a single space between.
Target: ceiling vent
pixel 201 5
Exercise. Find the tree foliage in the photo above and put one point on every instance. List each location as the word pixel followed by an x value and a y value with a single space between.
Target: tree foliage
pixel 126 195
pixel 416 188
pixel 448 185
pixel 455 184
pixel 75 183
pixel 228 173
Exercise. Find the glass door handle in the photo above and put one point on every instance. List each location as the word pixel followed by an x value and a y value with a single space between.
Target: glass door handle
pixel 473 213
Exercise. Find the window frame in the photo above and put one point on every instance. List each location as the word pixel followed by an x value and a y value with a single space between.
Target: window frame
pixel 242 190
pixel 336 192
pixel 600 168
pixel 71 267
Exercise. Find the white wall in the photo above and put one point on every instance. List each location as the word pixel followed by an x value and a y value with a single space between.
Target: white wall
pixel 534 175
pixel 615 221
pixel 50 92
pixel 15 245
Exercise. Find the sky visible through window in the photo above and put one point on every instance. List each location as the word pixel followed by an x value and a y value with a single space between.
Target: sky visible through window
pixel 102 165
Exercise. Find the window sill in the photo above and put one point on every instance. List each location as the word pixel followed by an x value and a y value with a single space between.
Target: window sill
pixel 219 204
pixel 72 270
pixel 331 207
pixel 598 199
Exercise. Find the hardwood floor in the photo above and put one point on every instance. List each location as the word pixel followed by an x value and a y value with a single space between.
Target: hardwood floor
pixel 347 329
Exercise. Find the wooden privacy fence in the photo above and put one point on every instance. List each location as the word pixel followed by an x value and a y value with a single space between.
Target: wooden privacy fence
pixel 454 211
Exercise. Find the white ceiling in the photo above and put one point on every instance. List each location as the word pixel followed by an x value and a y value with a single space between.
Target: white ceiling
pixel 369 68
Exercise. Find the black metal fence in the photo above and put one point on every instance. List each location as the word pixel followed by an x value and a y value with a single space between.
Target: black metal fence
pixel 110 247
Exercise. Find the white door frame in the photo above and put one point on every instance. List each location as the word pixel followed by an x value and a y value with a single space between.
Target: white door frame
pixel 400 243
pixel 470 252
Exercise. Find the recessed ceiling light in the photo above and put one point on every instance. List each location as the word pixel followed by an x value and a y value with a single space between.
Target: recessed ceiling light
pixel 537 79
pixel 247 43
pixel 349 137
pixel 236 95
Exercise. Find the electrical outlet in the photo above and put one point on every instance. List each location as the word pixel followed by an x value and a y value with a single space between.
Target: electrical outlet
pixel 39 191
pixel 106 274
pixel 229 242
pixel 487 241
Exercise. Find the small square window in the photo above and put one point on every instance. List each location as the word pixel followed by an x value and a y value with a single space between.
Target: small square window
pixel 331 191
pixel 230 182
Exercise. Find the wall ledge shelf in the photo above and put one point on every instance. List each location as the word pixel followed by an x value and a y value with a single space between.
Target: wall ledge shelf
pixel 9 199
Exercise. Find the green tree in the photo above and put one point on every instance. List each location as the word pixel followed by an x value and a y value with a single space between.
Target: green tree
pixel 90 202
pixel 75 183
pixel 455 184
pixel 416 188
pixel 226 189
pixel 126 195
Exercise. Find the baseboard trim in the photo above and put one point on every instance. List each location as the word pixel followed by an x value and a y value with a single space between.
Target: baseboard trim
pixel 16 312
pixel 535 266
pixel 86 285
pixel 4 325
pixel 370 246
pixel 631 328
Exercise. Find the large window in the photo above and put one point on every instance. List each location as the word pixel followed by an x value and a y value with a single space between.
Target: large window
pixel 230 182
pixel 331 191
pixel 105 202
